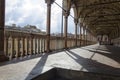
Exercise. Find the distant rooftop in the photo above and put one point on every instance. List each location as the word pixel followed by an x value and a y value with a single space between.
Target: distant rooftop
pixel 26 29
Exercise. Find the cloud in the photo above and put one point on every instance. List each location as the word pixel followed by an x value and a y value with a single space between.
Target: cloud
pixel 25 12
pixel 33 12
pixel 56 17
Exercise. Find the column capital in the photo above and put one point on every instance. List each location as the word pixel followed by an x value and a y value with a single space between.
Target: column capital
pixel 76 21
pixel 66 13
pixel 83 28
pixel 48 2
pixel 81 24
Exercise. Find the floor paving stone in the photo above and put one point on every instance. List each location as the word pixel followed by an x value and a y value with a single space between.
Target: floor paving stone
pixel 94 58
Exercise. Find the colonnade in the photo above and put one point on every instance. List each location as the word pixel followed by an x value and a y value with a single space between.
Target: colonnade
pixel 25 44
pixel 18 46
pixel 66 14
pixel 21 44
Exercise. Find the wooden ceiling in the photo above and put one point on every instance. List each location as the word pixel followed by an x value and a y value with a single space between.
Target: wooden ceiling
pixel 100 16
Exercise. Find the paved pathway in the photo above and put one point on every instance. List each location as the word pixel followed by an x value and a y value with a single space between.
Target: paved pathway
pixel 94 58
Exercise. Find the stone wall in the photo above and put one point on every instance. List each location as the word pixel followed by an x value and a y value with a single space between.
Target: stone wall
pixel 66 74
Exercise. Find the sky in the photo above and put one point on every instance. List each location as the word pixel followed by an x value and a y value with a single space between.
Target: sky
pixel 34 12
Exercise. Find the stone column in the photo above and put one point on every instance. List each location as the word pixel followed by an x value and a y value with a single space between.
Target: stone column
pixel 34 45
pixel 19 45
pixel 13 49
pixel 76 22
pixel 41 45
pixel 48 2
pixel 88 37
pixel 84 35
pixel 118 31
pixel 80 34
pixel 23 42
pixel 6 48
pixel 31 45
pixel 38 45
pixel 28 46
pixel 66 14
pixel 2 24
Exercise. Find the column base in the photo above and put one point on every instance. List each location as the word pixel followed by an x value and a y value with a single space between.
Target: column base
pixel 3 58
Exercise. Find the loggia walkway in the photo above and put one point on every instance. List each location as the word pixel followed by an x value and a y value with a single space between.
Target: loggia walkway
pixel 95 58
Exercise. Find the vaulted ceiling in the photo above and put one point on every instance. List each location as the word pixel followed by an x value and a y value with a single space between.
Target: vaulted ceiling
pixel 100 16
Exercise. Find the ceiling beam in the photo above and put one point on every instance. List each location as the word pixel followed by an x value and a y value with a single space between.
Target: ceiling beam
pixel 106 20
pixel 104 23
pixel 102 16
pixel 105 26
pixel 100 3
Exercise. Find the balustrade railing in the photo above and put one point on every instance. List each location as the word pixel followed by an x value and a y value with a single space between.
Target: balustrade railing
pixel 16 47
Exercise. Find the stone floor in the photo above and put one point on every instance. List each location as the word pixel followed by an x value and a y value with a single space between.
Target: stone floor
pixel 94 58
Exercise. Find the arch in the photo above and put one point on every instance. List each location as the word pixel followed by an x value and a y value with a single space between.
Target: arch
pixel 97 9
pixel 66 6
pixel 75 11
pixel 112 6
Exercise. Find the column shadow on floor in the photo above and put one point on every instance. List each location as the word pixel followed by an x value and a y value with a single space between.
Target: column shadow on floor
pixel 38 67
pixel 92 65
pixel 20 59
pixel 37 70
pixel 111 52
